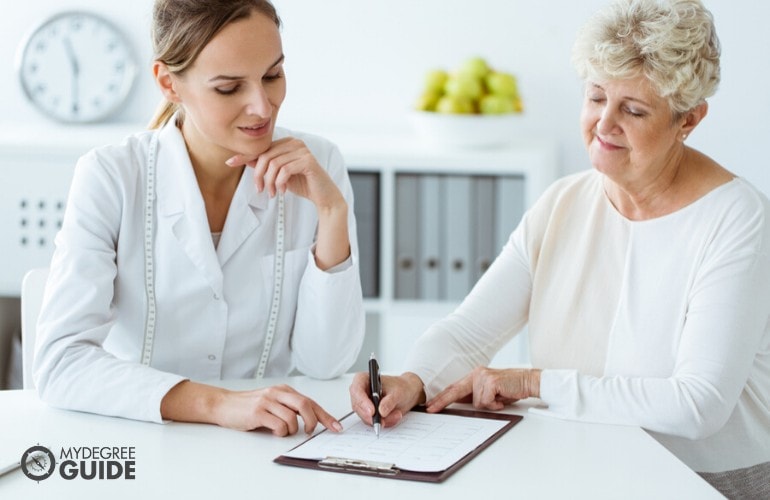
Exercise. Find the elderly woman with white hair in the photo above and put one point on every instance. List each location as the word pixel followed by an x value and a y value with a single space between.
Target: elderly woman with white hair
pixel 644 282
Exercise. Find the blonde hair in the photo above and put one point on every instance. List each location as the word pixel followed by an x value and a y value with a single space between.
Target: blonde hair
pixel 671 42
pixel 182 28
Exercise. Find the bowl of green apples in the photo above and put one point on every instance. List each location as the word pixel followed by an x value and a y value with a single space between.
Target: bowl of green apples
pixel 473 106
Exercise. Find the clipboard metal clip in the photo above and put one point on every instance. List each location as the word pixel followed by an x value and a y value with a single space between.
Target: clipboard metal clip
pixel 355 465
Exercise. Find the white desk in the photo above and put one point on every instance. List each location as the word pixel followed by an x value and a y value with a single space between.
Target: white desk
pixel 538 458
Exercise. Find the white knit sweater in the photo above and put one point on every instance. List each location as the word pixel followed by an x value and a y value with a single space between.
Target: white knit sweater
pixel 660 323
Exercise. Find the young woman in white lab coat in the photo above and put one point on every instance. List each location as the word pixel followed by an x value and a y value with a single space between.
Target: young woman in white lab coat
pixel 165 270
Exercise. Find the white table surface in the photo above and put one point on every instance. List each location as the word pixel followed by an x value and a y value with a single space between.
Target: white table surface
pixel 539 458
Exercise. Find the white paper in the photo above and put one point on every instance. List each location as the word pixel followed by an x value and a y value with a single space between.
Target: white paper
pixel 421 442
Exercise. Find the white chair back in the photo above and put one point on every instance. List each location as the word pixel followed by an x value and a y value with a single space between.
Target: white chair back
pixel 32 287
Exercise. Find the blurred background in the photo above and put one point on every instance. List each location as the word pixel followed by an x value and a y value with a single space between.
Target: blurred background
pixel 358 66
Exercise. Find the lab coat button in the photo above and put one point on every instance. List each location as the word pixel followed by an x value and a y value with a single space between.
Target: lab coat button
pixel 217 296
pixel 212 357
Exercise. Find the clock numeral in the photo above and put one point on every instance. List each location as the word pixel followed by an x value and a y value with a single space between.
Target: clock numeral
pixel 76 24
pixel 40 46
pixel 39 89
pixel 112 45
pixel 96 103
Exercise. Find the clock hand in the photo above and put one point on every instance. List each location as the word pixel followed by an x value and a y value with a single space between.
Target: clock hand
pixel 75 73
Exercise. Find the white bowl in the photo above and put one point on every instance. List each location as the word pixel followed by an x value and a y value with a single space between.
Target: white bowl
pixel 467 131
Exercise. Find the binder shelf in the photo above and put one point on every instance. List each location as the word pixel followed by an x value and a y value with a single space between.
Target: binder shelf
pixel 430 222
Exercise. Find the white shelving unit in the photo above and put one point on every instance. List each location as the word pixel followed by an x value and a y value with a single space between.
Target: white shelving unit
pixel 36 167
pixel 393 324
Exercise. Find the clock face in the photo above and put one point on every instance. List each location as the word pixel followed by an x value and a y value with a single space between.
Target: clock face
pixel 76 67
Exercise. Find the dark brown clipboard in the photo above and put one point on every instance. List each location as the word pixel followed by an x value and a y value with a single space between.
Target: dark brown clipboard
pixel 387 471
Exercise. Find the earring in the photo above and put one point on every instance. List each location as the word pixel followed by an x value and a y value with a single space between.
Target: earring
pixel 684 136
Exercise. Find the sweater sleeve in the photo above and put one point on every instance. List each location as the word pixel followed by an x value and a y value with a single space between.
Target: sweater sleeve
pixel 492 313
pixel 725 330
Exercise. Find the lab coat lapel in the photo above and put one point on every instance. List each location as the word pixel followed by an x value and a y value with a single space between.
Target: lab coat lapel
pixel 180 205
pixel 242 217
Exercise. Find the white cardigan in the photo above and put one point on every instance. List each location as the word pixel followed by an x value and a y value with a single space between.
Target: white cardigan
pixel 661 323
pixel 212 304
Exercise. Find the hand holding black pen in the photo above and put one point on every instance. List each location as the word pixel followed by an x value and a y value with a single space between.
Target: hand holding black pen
pixel 398 394
pixel 375 388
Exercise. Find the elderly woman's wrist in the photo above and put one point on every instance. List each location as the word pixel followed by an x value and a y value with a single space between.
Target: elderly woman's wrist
pixel 416 387
pixel 534 382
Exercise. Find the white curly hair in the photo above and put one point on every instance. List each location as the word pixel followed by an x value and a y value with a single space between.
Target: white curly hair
pixel 671 42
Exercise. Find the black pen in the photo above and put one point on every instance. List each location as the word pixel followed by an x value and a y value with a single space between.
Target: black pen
pixel 375 386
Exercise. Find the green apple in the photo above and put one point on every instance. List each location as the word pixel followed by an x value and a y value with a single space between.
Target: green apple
pixel 427 101
pixel 475 66
pixel 435 80
pixel 453 104
pixel 463 85
pixel 502 84
pixel 495 104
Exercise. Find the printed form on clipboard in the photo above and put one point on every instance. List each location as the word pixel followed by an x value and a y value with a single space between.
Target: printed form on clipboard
pixel 422 447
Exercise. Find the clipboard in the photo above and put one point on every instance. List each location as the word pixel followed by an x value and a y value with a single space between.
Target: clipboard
pixel 351 465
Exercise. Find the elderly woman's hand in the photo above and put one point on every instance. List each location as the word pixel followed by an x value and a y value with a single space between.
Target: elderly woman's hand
pixel 400 394
pixel 489 389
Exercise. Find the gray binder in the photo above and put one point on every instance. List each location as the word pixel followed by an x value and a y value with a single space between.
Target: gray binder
pixel 366 191
pixel 431 242
pixel 509 207
pixel 483 225
pixel 407 234
pixel 457 221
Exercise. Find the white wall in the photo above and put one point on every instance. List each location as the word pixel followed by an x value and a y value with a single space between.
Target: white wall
pixel 359 64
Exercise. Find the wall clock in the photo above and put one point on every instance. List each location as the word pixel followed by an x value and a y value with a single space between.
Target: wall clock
pixel 76 67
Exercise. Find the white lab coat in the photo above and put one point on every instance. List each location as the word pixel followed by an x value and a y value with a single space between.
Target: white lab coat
pixel 212 303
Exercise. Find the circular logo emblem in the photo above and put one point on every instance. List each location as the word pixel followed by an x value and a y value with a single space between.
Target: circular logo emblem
pixel 38 463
